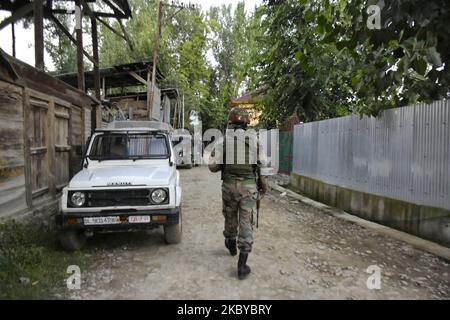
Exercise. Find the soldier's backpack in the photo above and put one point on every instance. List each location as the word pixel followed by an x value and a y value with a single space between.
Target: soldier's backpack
pixel 246 169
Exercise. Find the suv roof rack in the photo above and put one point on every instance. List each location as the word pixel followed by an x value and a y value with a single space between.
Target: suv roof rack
pixel 138 125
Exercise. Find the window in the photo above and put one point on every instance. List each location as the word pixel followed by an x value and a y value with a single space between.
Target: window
pixel 110 146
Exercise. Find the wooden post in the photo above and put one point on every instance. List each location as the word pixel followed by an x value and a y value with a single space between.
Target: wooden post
pixel 103 95
pixel 39 34
pixel 51 149
pixel 154 61
pixel 13 34
pixel 175 114
pixel 79 36
pixel 96 111
pixel 149 89
pixel 182 114
pixel 70 142
pixel 26 146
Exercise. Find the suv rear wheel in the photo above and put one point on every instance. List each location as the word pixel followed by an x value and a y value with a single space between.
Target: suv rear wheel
pixel 173 232
pixel 72 240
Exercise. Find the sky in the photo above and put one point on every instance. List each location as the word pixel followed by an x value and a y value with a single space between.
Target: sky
pixel 25 37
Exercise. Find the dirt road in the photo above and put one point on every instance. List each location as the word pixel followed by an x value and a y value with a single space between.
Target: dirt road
pixel 299 253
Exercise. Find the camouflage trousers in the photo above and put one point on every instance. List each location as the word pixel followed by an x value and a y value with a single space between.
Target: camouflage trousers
pixel 239 205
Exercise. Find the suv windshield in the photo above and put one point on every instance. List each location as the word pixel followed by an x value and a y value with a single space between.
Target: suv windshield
pixel 111 146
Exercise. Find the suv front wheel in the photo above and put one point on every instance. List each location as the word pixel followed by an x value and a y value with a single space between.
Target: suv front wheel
pixel 72 240
pixel 173 232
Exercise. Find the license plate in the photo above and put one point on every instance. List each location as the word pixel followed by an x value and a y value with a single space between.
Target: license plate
pixel 101 220
pixel 139 219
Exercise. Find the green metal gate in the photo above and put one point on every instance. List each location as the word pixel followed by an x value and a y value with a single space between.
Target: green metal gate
pixel 285 149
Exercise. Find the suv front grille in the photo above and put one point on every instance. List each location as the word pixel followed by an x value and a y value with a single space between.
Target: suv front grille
pixel 112 198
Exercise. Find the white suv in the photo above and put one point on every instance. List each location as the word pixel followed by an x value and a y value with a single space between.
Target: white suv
pixel 129 181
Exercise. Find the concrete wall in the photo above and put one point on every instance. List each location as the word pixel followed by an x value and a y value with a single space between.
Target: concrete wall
pixel 424 221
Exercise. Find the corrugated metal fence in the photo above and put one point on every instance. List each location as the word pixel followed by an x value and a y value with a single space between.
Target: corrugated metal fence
pixel 404 154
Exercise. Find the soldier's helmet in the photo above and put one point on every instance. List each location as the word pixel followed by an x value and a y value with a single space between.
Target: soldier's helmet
pixel 238 116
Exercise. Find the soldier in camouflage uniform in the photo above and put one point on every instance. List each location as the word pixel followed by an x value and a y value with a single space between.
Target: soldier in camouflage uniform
pixel 239 195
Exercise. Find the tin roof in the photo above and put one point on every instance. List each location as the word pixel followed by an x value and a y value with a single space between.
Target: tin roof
pixel 117 76
pixel 23 74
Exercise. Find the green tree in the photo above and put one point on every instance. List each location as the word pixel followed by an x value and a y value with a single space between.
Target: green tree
pixel 233 37
pixel 321 60
pixel 59 47
pixel 182 55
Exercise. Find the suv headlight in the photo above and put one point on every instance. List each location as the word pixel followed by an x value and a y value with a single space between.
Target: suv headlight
pixel 159 196
pixel 78 199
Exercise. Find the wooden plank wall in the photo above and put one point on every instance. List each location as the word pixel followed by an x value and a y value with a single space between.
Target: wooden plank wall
pixel 12 174
pixel 87 123
pixel 62 144
pixel 76 138
pixel 38 138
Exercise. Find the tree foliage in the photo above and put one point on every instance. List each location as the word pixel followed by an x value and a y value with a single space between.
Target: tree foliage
pixel 203 54
pixel 321 59
pixel 61 50
pixel 316 58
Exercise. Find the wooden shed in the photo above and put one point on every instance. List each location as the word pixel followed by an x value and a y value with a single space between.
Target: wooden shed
pixel 44 123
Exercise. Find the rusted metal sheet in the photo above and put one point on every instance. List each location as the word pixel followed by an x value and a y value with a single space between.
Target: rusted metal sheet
pixel 404 154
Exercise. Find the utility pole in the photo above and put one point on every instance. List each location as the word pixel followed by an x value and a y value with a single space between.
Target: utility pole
pixel 150 97
pixel 79 37
pixel 38 16
pixel 13 34
pixel 151 91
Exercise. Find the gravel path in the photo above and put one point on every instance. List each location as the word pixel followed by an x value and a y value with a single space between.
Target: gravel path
pixel 299 253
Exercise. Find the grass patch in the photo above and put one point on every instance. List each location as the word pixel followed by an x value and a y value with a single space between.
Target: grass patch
pixel 32 264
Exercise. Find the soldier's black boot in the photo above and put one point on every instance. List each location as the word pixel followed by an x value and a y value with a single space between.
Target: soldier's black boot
pixel 231 245
pixel 243 268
